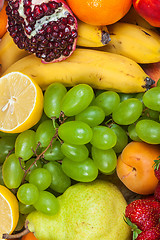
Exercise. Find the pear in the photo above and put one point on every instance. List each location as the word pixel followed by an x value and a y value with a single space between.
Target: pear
pixel 88 211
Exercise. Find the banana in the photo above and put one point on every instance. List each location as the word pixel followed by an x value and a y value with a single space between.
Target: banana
pixel 133 17
pixel 140 44
pixel 9 52
pixel 101 70
pixel 92 36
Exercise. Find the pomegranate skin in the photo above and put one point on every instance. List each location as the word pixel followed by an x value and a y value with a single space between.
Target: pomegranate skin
pixel 149 10
pixel 46 28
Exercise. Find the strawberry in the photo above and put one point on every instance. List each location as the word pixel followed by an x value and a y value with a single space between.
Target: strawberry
pixel 157 168
pixel 157 192
pixel 143 216
pixel 151 234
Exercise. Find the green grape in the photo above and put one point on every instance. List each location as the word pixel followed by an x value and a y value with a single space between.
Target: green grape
pixel 25 208
pixel 43 118
pixel 139 96
pixel 108 101
pixel 128 111
pixel 132 133
pixel 158 83
pixel 54 152
pixel 148 131
pixel 25 145
pixel 60 181
pixel 76 153
pixel 28 163
pixel 103 137
pixel 1 177
pixel 52 99
pixel 77 99
pixel 12 172
pixel 151 98
pixel 85 171
pixel 149 113
pixel 92 115
pixel 125 96
pixel 3 134
pixel 45 133
pixel 6 146
pixel 21 222
pixel 122 138
pixel 47 203
pixel 41 178
pixel 105 160
pixel 28 194
pixel 75 132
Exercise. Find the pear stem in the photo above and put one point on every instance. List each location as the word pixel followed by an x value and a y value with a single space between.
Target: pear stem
pixel 17 235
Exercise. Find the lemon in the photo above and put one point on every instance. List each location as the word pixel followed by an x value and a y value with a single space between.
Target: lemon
pixel 21 102
pixel 9 211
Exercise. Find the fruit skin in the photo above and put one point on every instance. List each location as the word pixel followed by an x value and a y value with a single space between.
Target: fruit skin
pixel 101 70
pixel 29 236
pixel 101 12
pixel 91 35
pixel 149 10
pixel 133 17
pixel 144 214
pixel 138 43
pixel 43 28
pixel 83 206
pixel 153 70
pixel 135 167
pixel 3 18
pixel 9 52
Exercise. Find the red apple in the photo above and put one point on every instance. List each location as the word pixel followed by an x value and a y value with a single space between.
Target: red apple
pixel 153 71
pixel 149 10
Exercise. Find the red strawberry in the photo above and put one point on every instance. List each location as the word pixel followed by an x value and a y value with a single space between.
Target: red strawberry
pixel 157 192
pixel 151 234
pixel 143 215
pixel 157 168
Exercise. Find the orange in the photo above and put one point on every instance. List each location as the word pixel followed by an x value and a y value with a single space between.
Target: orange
pixel 3 20
pixel 29 236
pixel 9 211
pixel 21 102
pixel 99 12
pixel 135 167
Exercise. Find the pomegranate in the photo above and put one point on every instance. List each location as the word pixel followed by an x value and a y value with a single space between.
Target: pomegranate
pixel 46 28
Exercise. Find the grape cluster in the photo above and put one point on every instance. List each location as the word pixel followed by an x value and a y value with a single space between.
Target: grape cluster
pixel 81 133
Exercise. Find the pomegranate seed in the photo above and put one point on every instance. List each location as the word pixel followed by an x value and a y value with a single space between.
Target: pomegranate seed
pixel 27 3
pixel 74 33
pixel 70 20
pixel 27 11
pixel 66 52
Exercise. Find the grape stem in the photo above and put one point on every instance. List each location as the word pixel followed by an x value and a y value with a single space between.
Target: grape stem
pixel 17 235
pixel 40 155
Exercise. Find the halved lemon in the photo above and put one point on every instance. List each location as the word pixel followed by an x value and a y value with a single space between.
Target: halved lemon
pixel 9 211
pixel 21 102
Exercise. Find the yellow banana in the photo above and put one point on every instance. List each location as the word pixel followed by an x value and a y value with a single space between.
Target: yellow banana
pixel 9 52
pixel 140 44
pixel 133 17
pixel 101 70
pixel 92 36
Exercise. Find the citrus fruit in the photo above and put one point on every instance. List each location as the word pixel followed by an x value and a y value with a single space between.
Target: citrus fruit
pixel 3 20
pixel 99 12
pixel 29 236
pixel 21 102
pixel 9 211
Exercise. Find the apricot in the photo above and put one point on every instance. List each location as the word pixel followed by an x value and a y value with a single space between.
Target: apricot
pixel 153 71
pixel 149 10
pixel 135 167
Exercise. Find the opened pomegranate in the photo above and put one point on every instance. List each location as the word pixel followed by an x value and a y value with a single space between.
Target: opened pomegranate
pixel 46 28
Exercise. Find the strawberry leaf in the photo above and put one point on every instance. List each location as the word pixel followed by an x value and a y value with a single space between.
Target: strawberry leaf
pixel 135 229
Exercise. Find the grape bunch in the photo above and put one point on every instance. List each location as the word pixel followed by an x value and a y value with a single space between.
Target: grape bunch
pixel 81 133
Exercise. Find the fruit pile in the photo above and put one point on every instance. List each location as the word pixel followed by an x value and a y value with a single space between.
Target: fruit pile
pixel 79 109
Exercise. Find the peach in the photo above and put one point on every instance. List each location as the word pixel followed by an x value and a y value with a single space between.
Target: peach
pixel 135 167
pixel 152 70
pixel 149 10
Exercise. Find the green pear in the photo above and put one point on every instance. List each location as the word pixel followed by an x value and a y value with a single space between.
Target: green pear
pixel 88 211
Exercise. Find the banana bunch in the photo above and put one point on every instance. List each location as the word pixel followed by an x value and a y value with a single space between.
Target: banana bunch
pixel 92 36
pixel 101 70
pixel 88 36
pixel 135 42
pixel 9 52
